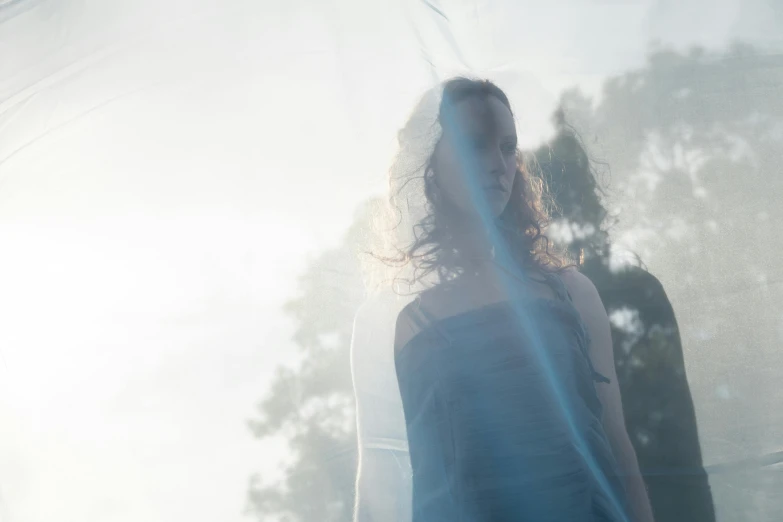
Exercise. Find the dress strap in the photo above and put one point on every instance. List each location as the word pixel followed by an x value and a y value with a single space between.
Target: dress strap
pixel 562 293
pixel 424 320
pixel 417 315
pixel 557 286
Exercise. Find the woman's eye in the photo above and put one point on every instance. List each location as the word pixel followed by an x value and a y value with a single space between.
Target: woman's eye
pixel 509 148
pixel 480 144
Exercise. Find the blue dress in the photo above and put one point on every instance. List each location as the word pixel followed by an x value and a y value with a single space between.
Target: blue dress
pixel 503 419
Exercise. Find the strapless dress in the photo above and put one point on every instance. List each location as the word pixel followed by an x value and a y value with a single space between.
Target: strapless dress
pixel 503 419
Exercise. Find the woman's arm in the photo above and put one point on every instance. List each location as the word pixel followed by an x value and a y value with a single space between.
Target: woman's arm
pixel 379 488
pixel 379 481
pixel 588 303
pixel 366 507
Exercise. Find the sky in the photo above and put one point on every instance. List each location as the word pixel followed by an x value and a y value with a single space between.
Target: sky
pixel 168 169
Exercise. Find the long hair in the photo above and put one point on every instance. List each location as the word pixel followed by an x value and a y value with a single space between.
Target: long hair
pixel 425 236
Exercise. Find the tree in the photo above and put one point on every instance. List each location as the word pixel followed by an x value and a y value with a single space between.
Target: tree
pixel 648 355
pixel 312 406
pixel 693 143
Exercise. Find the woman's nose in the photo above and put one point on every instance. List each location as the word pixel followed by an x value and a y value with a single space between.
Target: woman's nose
pixel 497 162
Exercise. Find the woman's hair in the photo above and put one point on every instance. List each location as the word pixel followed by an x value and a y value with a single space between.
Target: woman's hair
pixel 425 229
pixel 570 176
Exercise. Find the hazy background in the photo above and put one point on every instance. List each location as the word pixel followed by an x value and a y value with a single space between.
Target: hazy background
pixel 168 170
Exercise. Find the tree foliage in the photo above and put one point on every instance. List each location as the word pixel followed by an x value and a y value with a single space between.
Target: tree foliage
pixel 312 406
pixel 693 144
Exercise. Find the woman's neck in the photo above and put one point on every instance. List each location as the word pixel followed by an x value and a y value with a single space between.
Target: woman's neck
pixel 475 244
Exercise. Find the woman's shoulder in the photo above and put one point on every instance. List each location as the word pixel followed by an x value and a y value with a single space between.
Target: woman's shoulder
pixel 586 300
pixel 579 286
pixel 432 304
pixel 407 327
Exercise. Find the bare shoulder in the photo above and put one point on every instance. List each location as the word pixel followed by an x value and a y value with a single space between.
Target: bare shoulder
pixel 587 302
pixel 372 328
pixel 586 299
pixel 430 303
pixel 407 327
pixel 581 289
pixel 591 309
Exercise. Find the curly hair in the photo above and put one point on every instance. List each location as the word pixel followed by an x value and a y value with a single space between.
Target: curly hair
pixel 431 247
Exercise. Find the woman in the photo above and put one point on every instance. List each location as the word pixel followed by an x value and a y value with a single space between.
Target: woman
pixel 505 362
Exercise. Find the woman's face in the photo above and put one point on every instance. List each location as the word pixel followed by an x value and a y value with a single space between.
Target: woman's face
pixel 475 160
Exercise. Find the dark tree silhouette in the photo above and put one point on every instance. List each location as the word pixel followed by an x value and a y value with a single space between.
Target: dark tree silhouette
pixel 693 143
pixel 657 402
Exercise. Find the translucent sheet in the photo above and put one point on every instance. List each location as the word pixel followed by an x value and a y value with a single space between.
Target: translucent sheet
pixel 187 191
